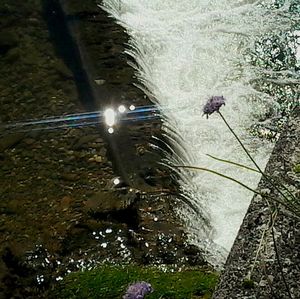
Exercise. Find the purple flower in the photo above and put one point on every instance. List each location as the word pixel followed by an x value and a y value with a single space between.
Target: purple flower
pixel 213 105
pixel 138 290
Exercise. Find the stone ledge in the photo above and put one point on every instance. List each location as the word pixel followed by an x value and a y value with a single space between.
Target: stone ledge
pixel 266 280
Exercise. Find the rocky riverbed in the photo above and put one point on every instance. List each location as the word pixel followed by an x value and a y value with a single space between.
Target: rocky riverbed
pixel 61 209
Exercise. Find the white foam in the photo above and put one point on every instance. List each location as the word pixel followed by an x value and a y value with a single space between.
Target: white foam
pixel 185 52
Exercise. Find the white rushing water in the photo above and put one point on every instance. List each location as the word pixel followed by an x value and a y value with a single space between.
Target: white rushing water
pixel 186 52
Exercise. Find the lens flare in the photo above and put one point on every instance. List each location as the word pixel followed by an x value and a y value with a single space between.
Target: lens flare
pixel 110 117
pixel 116 181
pixel 121 108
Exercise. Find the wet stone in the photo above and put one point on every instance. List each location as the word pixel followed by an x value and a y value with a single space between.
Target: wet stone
pixel 10 140
pixel 29 141
pixel 72 177
pixel 109 201
pixel 83 141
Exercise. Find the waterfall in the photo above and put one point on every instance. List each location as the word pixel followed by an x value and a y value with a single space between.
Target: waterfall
pixel 184 53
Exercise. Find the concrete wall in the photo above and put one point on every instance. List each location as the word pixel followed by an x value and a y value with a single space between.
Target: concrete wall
pixel 246 276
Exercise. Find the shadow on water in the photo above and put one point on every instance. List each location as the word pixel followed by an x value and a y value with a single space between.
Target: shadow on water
pixel 64 35
pixel 63 38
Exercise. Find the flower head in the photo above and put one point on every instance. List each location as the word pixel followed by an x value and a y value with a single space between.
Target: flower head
pixel 138 290
pixel 213 104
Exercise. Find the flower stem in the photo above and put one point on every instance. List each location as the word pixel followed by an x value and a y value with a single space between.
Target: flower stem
pixel 256 165
pixel 236 181
pixel 232 162
pixel 219 174
pixel 241 144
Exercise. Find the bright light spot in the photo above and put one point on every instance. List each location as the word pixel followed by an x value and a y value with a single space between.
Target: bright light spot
pixel 116 181
pixel 108 231
pixel 110 117
pixel 131 107
pixel 122 108
pixel 104 245
pixel 58 278
pixel 110 130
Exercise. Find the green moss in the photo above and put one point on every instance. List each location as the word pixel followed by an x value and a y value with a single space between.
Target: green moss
pixel 297 168
pixel 112 281
pixel 248 283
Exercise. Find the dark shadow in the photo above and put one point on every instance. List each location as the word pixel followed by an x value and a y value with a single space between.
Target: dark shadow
pixel 62 37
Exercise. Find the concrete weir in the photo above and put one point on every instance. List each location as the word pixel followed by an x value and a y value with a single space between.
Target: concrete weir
pixel 255 268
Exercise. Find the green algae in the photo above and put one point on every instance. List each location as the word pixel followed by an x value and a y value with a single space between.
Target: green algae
pixel 297 168
pixel 112 281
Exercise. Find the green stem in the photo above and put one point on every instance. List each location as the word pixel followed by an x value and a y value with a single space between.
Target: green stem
pixel 250 157
pixel 238 182
pixel 219 174
pixel 241 144
pixel 233 163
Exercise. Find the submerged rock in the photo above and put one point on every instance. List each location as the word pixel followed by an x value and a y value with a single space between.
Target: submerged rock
pixel 84 140
pixel 110 201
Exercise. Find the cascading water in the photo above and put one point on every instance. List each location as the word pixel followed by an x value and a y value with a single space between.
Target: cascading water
pixel 186 52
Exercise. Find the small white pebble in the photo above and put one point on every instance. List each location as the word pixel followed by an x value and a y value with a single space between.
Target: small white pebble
pixel 108 231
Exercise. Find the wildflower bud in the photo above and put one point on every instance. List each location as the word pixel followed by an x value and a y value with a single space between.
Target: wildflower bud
pixel 213 105
pixel 138 290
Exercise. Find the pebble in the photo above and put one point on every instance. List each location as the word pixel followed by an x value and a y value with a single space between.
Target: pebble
pixel 70 177
pixel 29 141
pixel 98 159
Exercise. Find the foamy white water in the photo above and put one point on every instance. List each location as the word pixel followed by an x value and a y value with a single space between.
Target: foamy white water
pixel 185 52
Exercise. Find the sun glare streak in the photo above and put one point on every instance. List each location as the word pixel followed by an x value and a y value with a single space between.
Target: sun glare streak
pixel 109 116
